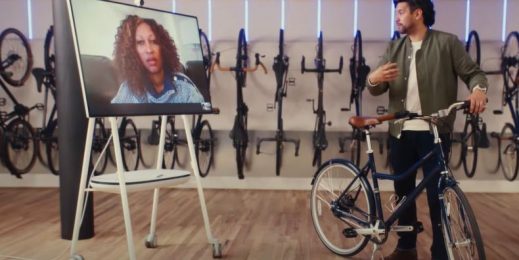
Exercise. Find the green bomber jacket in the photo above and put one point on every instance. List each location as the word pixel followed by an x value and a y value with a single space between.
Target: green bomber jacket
pixel 441 59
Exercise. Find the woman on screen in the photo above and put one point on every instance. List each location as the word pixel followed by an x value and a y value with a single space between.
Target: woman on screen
pixel 147 60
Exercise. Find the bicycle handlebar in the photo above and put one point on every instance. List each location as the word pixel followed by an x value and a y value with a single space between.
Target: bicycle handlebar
pixel 321 69
pixel 258 64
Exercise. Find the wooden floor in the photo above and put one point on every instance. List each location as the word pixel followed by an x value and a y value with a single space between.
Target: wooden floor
pixel 250 224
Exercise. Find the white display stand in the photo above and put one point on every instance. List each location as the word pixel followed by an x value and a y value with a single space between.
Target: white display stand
pixel 123 182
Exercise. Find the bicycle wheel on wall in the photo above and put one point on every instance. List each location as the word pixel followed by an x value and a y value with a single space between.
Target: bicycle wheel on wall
pixel 15 56
pixel 473 47
pixel 508 152
pixel 129 139
pixel 52 147
pixel 469 147
pixel 509 63
pixel 19 150
pixel 204 147
pixel 48 50
pixel 460 228
pixel 329 182
pixel 98 144
pixel 170 145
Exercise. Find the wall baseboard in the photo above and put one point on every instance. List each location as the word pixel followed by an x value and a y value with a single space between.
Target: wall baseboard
pixel 259 183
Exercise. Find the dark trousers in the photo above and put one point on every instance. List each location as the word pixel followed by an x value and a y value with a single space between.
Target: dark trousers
pixel 405 152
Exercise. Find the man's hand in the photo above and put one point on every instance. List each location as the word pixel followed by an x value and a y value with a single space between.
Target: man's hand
pixel 478 101
pixel 384 73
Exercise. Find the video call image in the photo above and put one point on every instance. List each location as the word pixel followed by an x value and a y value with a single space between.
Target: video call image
pixel 138 61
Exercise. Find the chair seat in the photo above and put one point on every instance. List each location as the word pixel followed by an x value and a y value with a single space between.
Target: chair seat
pixel 140 180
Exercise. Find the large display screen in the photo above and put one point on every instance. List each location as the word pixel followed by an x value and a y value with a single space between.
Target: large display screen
pixel 138 61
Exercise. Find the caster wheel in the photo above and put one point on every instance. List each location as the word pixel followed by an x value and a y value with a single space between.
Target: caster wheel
pixel 217 250
pixel 77 257
pixel 151 241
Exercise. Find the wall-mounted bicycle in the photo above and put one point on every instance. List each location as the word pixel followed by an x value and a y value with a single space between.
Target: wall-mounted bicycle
pixel 280 68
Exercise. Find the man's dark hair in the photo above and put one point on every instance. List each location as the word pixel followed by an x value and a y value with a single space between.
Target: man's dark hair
pixel 427 7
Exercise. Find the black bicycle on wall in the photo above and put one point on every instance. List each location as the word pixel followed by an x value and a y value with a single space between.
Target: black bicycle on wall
pixel 319 141
pixel 280 68
pixel 474 135
pixel 238 134
pixel 47 135
pixel 358 73
pixel 508 138
pixel 17 150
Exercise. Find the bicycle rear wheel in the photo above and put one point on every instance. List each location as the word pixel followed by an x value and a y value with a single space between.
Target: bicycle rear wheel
pixel 170 145
pixel 469 148
pixel 204 148
pixel 329 182
pixel 129 139
pixel 48 50
pixel 15 57
pixel 19 148
pixel 508 152
pixel 461 230
pixel 52 147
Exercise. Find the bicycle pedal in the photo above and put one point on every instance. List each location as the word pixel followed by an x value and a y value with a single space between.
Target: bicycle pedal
pixel 350 233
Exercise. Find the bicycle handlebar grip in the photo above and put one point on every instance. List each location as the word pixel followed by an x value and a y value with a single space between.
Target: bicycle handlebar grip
pixel 215 111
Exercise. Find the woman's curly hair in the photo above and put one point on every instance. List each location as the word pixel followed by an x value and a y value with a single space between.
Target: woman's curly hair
pixel 127 59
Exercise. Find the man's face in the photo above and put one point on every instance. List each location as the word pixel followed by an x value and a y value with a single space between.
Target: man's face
pixel 405 19
pixel 148 48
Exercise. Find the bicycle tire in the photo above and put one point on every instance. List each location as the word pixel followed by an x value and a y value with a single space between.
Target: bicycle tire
pixel 41 148
pixel 474 39
pixel 170 146
pixel 206 55
pixel 469 147
pixel 509 63
pixel 129 141
pixel 468 243
pixel 204 147
pixel 98 143
pixel 48 51
pixel 242 59
pixel 508 152
pixel 328 226
pixel 12 41
pixel 52 147
pixel 279 156
pixel 19 155
pixel 240 160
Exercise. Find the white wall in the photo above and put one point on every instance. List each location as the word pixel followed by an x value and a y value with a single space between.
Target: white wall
pixel 301 26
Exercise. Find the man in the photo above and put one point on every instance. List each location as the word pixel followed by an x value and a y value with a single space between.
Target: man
pixel 420 72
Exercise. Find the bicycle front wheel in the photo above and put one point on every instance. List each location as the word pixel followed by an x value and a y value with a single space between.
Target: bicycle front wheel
pixel 330 181
pixel 460 228
pixel 204 148
pixel 508 152
pixel 469 148
pixel 16 56
pixel 19 149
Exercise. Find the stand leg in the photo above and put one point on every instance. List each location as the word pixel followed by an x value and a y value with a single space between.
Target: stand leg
pixel 82 185
pixel 194 166
pixel 123 191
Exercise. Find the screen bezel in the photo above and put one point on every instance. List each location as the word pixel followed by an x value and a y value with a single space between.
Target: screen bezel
pixel 146 109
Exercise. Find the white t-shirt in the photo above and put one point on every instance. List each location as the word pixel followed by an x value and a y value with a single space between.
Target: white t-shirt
pixel 413 99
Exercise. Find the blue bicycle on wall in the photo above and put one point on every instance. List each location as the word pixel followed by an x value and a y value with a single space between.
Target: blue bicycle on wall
pixel 347 209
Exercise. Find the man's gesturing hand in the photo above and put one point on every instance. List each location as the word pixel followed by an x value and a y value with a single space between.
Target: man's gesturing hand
pixel 384 73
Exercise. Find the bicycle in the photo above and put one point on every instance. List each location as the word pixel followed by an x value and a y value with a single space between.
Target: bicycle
pixel 358 72
pixel 319 141
pixel 17 147
pixel 474 135
pixel 47 135
pixel 238 134
pixel 280 68
pixel 347 209
pixel 508 139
